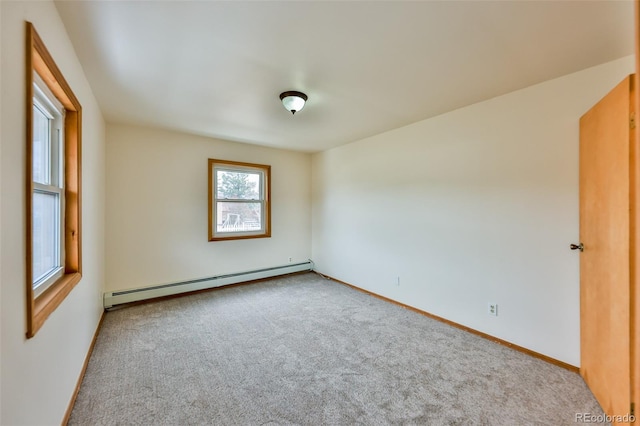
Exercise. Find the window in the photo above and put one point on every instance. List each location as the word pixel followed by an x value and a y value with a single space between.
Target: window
pixel 48 192
pixel 53 128
pixel 239 204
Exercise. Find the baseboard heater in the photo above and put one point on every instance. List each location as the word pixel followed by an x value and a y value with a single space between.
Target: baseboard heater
pixel 126 296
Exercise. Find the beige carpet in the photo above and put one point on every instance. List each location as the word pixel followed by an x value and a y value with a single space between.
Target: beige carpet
pixel 303 350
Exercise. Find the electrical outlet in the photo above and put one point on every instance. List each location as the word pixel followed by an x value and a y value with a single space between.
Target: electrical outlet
pixel 493 309
pixel 398 281
pixel 290 259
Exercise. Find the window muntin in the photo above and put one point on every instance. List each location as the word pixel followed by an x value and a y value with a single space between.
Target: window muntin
pixel 238 200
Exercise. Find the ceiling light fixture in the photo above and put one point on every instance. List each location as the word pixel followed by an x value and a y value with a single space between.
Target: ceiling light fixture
pixel 293 101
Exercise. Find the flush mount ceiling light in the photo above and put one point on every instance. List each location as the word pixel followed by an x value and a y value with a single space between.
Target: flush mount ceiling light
pixel 293 101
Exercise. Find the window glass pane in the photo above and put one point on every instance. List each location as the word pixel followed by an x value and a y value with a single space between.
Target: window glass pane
pixel 238 217
pixel 41 147
pixel 46 234
pixel 238 185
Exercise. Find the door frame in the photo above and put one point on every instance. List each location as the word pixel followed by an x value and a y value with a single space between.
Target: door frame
pixel 634 237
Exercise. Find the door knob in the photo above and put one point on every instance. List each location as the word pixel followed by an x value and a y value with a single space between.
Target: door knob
pixel 577 247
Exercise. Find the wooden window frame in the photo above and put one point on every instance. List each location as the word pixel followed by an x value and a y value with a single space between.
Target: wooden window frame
pixel 266 171
pixel 39 60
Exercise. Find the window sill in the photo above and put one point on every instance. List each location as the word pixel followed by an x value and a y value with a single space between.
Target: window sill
pixel 239 237
pixel 48 301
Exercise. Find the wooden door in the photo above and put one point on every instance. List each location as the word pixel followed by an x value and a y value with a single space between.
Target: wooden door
pixel 635 228
pixel 606 138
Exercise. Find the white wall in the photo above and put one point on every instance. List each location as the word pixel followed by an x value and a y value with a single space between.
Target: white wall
pixel 38 376
pixel 157 208
pixel 478 205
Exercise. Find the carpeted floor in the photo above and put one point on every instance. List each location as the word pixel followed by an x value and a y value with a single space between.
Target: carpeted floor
pixel 303 350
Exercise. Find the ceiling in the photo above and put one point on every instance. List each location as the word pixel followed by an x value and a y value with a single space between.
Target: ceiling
pixel 216 68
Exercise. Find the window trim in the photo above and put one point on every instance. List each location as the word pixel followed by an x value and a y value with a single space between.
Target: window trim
pixel 39 60
pixel 266 201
